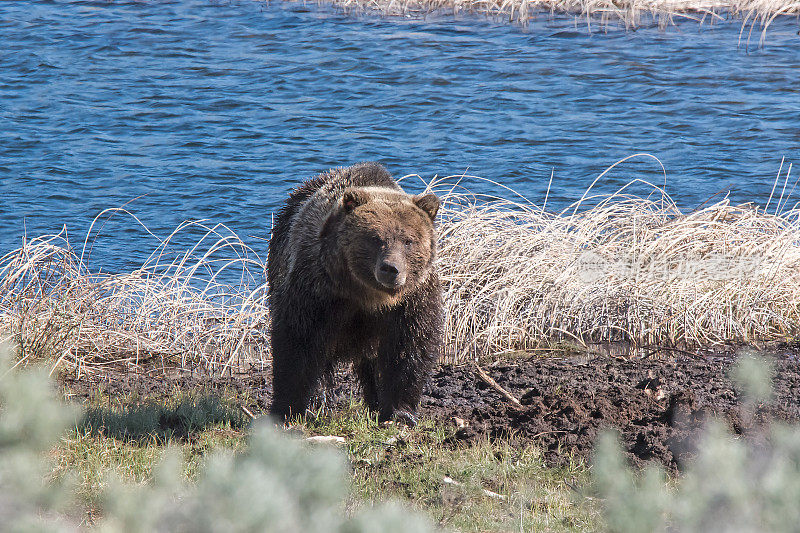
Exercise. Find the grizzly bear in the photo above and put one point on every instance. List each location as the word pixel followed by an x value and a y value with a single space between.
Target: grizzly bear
pixel 351 279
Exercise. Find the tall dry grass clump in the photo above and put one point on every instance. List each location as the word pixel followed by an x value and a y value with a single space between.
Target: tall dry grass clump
pixel 516 276
pixel 173 308
pixel 631 13
pixel 629 269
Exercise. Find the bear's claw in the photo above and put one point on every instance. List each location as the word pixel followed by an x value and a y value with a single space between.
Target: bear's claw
pixel 405 417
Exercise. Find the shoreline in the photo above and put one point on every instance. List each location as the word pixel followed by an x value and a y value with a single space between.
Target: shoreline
pixel 631 13
pixel 627 271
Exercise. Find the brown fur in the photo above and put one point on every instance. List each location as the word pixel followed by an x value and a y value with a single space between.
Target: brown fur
pixel 351 278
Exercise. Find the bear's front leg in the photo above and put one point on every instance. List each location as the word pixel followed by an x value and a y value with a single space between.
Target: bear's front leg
pixel 297 366
pixel 406 356
pixel 402 377
pixel 367 376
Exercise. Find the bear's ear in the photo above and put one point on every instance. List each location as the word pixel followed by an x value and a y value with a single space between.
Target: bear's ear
pixel 428 203
pixel 353 198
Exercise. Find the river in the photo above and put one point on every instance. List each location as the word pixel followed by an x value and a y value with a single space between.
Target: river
pixel 215 110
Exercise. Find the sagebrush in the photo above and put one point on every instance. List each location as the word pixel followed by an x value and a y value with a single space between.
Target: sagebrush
pixel 734 484
pixel 276 485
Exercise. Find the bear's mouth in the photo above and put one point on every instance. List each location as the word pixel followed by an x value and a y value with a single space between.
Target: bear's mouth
pixel 391 288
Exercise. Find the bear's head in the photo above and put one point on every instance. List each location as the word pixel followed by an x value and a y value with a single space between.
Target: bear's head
pixel 386 241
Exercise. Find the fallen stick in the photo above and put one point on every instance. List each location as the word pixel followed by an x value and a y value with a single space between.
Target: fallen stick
pixel 492 383
pixel 487 492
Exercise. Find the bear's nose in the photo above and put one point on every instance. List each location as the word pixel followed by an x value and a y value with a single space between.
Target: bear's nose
pixel 389 268
pixel 388 274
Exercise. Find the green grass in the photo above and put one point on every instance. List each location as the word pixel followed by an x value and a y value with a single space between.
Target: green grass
pixel 126 439
pixel 495 485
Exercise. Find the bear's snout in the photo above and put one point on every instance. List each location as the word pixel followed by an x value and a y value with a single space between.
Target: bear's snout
pixel 390 273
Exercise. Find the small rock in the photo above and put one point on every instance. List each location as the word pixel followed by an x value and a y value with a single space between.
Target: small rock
pixel 326 439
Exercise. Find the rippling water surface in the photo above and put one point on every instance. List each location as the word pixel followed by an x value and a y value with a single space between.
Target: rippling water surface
pixel 201 109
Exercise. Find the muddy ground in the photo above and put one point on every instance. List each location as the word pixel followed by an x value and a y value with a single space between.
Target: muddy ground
pixel 658 405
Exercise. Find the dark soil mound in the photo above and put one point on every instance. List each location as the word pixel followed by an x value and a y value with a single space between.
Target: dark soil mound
pixel 658 406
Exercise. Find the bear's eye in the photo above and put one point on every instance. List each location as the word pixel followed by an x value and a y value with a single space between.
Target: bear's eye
pixel 409 242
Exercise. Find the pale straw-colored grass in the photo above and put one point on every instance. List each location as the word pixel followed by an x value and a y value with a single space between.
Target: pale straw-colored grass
pixel 629 268
pixel 173 310
pixel 631 13
pixel 515 275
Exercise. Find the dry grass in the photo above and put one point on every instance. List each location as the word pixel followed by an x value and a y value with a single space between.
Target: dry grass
pixel 627 269
pixel 173 308
pixel 622 267
pixel 630 12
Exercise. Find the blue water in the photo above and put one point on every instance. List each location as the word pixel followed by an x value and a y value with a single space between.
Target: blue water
pixel 209 109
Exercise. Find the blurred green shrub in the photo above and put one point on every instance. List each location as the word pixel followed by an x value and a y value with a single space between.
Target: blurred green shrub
pixel 732 485
pixel 276 485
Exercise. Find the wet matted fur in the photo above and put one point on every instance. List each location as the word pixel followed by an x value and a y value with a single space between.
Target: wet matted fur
pixel 352 279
